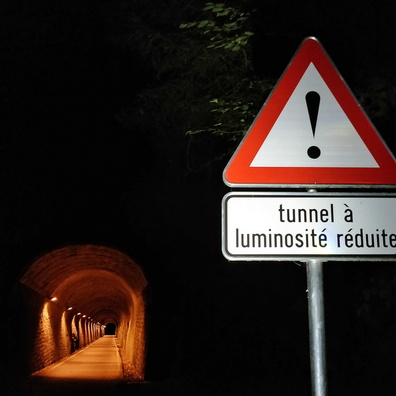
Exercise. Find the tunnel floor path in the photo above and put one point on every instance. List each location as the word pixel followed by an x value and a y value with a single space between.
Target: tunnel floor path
pixel 95 370
pixel 98 361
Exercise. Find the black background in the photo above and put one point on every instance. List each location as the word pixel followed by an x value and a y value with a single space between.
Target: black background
pixel 72 173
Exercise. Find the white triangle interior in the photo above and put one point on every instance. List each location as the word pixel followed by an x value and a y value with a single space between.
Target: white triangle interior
pixel 287 143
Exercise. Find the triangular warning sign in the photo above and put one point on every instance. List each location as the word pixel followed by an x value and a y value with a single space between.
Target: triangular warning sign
pixel 311 131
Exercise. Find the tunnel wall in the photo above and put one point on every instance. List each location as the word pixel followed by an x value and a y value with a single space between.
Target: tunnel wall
pixel 132 341
pixel 48 332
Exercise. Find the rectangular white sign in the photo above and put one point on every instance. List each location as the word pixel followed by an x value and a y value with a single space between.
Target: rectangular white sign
pixel 328 226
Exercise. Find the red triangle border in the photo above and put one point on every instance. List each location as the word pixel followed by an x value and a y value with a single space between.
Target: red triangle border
pixel 238 171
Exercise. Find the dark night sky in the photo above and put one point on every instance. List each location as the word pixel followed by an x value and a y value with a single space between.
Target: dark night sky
pixel 71 173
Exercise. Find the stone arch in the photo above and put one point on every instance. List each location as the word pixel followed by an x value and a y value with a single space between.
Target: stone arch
pixel 88 286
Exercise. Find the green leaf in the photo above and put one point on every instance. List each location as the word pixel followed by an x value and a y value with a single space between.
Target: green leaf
pixel 208 6
pixel 203 24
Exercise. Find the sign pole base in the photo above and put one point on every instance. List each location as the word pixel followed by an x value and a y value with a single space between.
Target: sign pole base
pixel 316 327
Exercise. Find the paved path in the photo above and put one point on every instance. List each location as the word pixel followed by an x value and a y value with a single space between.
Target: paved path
pixel 98 361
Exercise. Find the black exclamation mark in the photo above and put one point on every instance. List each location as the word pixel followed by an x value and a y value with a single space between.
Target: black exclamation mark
pixel 312 99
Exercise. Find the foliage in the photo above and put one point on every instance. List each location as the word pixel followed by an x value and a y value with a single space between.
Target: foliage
pixel 235 106
pixel 204 80
pixel 228 34
pixel 201 79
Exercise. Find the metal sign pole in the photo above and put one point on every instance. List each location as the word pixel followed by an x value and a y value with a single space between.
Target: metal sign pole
pixel 316 327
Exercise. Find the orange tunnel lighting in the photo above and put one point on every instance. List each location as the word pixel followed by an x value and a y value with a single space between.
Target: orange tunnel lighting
pixel 105 285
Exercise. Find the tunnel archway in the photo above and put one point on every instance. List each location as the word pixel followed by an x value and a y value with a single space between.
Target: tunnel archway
pixel 76 291
pixel 110 329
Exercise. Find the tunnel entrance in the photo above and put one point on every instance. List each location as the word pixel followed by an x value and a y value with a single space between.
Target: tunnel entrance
pixel 110 329
pixel 70 295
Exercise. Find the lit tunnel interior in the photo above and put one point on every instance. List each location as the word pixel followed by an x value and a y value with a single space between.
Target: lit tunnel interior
pixel 75 291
